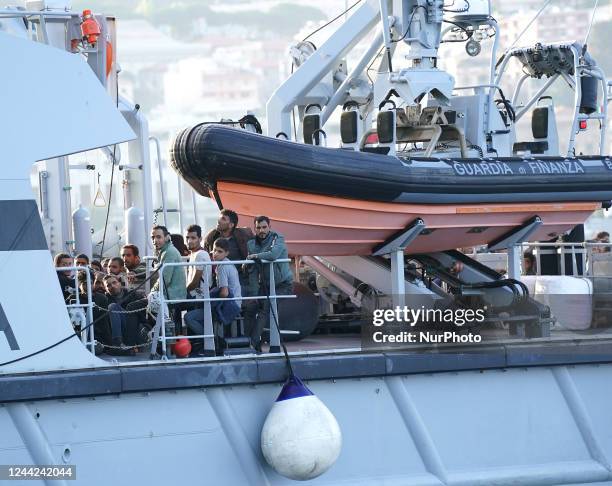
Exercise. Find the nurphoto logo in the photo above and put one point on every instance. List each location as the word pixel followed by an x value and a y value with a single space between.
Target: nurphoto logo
pixel 421 325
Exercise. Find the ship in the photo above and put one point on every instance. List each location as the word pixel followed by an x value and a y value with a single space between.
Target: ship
pixel 527 403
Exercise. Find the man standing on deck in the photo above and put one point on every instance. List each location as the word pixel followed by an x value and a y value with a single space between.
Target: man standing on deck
pixel 227 227
pixel 174 277
pixel 175 285
pixel 197 276
pixel 267 245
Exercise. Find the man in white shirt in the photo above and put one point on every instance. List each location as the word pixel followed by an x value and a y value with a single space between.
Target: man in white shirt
pixel 228 287
pixel 198 277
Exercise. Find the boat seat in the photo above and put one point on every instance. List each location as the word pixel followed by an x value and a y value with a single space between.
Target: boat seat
pixel 349 127
pixel 376 150
pixel 544 132
pixel 531 147
pixel 311 123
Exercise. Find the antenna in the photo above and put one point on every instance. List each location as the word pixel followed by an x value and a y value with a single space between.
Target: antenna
pixel 530 22
pixel 586 37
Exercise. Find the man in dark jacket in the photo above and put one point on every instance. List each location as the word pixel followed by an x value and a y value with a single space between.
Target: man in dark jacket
pixel 136 270
pixel 102 330
pixel 227 227
pixel 267 245
pixel 66 277
pixel 118 299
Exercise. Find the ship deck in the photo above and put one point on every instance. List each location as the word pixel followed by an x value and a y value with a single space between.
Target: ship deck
pixel 319 357
pixel 352 342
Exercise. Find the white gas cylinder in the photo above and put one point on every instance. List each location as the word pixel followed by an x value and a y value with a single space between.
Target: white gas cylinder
pixel 135 228
pixel 81 228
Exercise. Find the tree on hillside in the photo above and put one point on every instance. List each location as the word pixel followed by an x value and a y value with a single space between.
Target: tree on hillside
pixel 284 19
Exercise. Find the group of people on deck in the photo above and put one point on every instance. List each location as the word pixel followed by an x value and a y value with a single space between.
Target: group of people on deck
pixel 121 315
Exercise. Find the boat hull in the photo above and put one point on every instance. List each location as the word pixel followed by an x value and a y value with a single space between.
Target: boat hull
pixel 330 226
pixel 185 424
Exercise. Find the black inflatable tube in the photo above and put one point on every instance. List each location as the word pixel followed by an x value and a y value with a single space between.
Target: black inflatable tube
pixel 208 153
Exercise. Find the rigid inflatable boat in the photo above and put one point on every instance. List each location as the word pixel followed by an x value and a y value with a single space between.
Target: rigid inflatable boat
pixel 342 202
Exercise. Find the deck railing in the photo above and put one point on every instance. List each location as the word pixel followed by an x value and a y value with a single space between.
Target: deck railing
pixel 159 333
pixel 587 253
pixel 87 335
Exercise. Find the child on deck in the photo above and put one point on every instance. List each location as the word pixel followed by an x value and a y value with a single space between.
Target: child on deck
pixel 228 286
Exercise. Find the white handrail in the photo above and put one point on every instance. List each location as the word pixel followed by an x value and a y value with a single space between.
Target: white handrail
pixel 160 328
pixel 87 336
pixel 584 249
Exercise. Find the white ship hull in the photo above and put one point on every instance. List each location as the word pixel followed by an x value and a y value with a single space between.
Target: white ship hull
pixel 525 425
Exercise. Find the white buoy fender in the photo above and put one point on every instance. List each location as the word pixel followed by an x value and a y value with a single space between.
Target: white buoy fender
pixel 300 438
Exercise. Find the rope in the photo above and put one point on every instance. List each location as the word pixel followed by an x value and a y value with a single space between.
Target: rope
pixel 110 195
pixel 331 21
pixel 271 307
pixel 67 338
pixel 114 162
pixel 529 24
pixel 586 38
